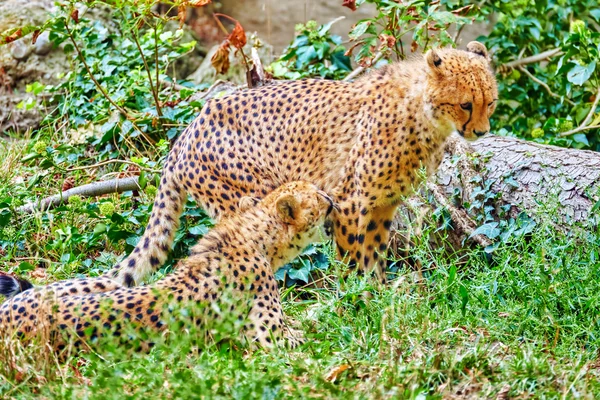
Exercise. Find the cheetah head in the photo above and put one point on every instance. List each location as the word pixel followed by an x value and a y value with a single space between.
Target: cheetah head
pixel 302 209
pixel 461 90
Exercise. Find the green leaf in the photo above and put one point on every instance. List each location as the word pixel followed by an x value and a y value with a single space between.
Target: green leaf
pixel 5 215
pixel 341 61
pixel 464 295
pixel 198 230
pixel 305 56
pixel 581 138
pixel 490 230
pixel 24 267
pixel 579 75
pixel 299 274
pixel 359 29
pixel 451 275
pixel 100 228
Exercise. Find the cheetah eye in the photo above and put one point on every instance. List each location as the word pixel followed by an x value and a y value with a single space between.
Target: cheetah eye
pixel 492 103
pixel 466 106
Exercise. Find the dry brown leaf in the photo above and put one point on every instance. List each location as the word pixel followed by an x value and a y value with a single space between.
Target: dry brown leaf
pixel 69 183
pixel 198 3
pixel 237 37
pixel 181 14
pixel 39 273
pixel 14 36
pixel 414 46
pixel 220 60
pixel 389 40
pixel 335 372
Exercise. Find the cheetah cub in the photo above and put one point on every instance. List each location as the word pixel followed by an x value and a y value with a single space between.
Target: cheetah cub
pixel 238 258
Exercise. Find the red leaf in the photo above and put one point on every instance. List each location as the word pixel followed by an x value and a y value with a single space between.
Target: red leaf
pixel 75 15
pixel 36 34
pixel 351 4
pixel 237 37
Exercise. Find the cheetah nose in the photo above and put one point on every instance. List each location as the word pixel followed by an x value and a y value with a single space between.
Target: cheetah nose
pixel 479 133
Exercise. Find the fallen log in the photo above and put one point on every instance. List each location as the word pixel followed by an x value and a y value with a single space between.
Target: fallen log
pixel 504 177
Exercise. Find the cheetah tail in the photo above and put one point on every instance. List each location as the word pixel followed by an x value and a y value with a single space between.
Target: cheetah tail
pixel 154 246
pixel 11 285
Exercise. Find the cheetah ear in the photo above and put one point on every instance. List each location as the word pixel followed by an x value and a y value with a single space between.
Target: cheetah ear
pixel 287 207
pixel 477 48
pixel 433 60
pixel 248 202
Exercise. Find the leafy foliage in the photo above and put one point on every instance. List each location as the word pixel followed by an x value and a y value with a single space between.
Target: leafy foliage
pixel 528 109
pixel 427 23
pixel 314 52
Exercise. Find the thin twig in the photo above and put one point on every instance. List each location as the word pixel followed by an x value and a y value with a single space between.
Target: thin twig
pixel 111 162
pixel 580 129
pixel 174 85
pixel 544 85
pixel 361 69
pixel 592 110
pixel 100 88
pixel 533 59
pixel 147 68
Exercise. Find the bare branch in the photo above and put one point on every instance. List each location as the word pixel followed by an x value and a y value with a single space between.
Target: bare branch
pixel 532 59
pixel 362 69
pixel 544 85
pixel 111 162
pixel 92 189
pixel 580 129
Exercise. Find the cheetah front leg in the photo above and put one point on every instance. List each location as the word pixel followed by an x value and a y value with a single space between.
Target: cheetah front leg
pixel 346 232
pixel 362 236
pixel 266 319
pixel 377 225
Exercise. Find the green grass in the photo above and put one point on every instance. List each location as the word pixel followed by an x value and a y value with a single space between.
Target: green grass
pixel 522 321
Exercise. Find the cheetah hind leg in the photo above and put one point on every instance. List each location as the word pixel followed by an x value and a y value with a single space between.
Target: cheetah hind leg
pixel 153 247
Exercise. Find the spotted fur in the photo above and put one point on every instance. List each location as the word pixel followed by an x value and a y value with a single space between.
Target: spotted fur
pixel 238 257
pixel 363 142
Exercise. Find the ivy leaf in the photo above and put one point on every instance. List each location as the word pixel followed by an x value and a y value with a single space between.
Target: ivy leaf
pixel 490 230
pixel 300 274
pixel 199 230
pixel 578 75
pixel 581 138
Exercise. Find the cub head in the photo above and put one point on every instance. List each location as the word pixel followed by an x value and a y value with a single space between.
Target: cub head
pixel 301 209
pixel 461 90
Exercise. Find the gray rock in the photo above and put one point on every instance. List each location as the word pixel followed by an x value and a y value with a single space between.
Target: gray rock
pixel 20 49
pixel 43 45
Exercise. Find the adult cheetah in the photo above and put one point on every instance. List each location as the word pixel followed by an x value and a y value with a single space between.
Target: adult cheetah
pixel 363 142
pixel 238 258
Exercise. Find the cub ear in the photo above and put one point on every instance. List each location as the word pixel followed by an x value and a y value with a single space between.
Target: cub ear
pixel 477 48
pixel 247 202
pixel 433 60
pixel 288 207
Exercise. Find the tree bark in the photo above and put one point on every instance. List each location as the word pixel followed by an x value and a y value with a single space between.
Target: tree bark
pixel 551 184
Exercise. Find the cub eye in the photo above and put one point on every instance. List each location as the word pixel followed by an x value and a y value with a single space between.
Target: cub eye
pixel 466 106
